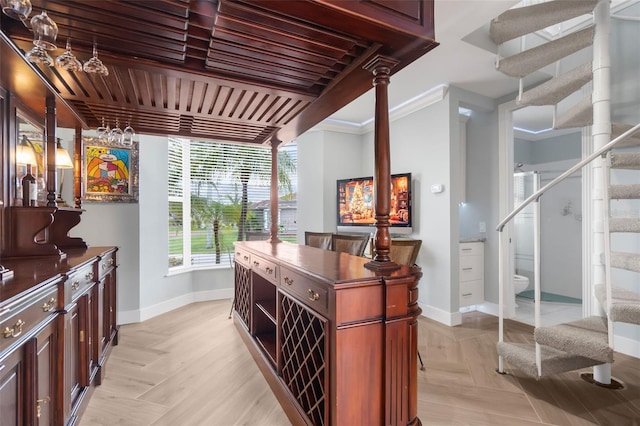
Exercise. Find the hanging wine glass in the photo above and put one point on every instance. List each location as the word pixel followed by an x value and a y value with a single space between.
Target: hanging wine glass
pixel 115 135
pixel 127 135
pixel 95 65
pixel 38 55
pixel 16 9
pixel 103 131
pixel 45 31
pixel 68 61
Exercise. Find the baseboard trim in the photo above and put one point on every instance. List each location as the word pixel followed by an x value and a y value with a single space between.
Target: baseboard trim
pixel 626 346
pixel 129 317
pixel 447 318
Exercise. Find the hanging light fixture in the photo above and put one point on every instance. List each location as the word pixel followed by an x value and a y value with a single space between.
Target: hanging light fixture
pixel 16 9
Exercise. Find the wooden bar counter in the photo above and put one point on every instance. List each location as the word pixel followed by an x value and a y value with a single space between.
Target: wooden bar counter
pixel 336 341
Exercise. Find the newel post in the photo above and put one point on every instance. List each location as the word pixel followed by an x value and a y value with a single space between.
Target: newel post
pixel 381 67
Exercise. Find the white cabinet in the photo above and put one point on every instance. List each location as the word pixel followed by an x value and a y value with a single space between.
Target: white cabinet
pixel 471 273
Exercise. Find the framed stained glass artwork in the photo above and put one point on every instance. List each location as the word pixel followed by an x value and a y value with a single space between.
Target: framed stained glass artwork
pixel 110 171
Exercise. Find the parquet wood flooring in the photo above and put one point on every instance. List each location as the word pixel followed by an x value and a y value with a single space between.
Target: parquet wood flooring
pixel 190 367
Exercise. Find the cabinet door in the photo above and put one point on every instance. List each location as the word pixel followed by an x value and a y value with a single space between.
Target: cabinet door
pixel 71 360
pixel 102 320
pixel 12 384
pixel 304 358
pixel 46 354
pixel 242 296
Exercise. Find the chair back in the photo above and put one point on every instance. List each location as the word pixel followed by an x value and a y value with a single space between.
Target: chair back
pixel 256 236
pixel 318 239
pixel 352 244
pixel 404 251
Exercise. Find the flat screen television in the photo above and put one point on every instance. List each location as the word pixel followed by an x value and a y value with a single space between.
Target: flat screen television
pixel 356 203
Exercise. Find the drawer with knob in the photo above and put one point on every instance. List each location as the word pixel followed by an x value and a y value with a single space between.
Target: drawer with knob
pixel 106 263
pixel 243 258
pixel 265 268
pixel 78 282
pixel 314 295
pixel 16 321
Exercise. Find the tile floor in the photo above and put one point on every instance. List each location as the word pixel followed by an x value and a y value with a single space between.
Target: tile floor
pixel 550 313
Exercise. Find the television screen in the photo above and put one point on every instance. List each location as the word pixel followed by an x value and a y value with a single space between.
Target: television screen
pixel 356 202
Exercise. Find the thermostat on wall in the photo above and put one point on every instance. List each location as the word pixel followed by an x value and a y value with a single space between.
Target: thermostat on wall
pixel 437 188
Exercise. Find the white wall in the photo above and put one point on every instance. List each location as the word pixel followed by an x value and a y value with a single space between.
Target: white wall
pixel 420 144
pixel 324 157
pixel 140 230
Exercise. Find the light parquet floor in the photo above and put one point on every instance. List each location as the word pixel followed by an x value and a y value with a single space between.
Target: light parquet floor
pixel 190 367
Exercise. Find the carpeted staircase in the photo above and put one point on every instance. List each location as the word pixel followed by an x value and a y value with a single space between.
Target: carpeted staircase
pixel 589 341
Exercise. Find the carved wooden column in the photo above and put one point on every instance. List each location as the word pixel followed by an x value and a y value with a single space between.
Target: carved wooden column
pixel 77 168
pixel 50 149
pixel 274 191
pixel 381 67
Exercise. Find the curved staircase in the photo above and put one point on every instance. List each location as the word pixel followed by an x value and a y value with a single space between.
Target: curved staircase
pixel 589 341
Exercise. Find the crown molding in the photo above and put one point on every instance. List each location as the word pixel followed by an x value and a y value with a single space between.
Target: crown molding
pixel 423 100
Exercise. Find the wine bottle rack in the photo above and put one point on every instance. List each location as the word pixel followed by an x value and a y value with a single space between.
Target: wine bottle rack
pixel 242 301
pixel 304 355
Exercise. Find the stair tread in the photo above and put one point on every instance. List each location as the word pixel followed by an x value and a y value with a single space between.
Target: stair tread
pixel 625 304
pixel 586 337
pixel 624 224
pixel 580 115
pixel 619 128
pixel 553 91
pixel 531 60
pixel 524 20
pixel 628 261
pixel 625 160
pixel 523 357
pixel 628 192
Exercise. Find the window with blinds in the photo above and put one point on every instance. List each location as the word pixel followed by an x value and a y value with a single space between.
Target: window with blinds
pixel 219 193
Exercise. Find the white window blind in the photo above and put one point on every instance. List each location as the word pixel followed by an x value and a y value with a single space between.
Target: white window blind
pixel 208 182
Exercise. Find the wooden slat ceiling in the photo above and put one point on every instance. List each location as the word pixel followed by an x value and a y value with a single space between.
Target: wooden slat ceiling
pixel 242 71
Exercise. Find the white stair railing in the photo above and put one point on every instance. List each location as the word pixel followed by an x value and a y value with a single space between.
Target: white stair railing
pixel 535 198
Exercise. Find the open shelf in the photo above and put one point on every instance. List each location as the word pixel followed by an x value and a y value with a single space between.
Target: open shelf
pixel 267 342
pixel 268 307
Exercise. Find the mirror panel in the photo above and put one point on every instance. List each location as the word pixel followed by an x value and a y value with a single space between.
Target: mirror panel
pixel 30 149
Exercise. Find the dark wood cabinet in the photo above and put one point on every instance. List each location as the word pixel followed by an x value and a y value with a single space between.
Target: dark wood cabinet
pixel 58 324
pixel 28 351
pixel 12 383
pixel 337 342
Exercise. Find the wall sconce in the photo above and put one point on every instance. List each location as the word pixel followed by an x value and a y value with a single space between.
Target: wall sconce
pixel 25 154
pixel 63 161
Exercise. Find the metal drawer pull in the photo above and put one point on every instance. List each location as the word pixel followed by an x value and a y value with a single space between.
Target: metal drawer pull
pixel 256 263
pixel 245 257
pixel 269 270
pixel 11 332
pixel 111 261
pixel 466 249
pixel 41 401
pixel 467 269
pixel 288 281
pixel 75 285
pixel 89 276
pixel 313 296
pixel 467 294
pixel 48 306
